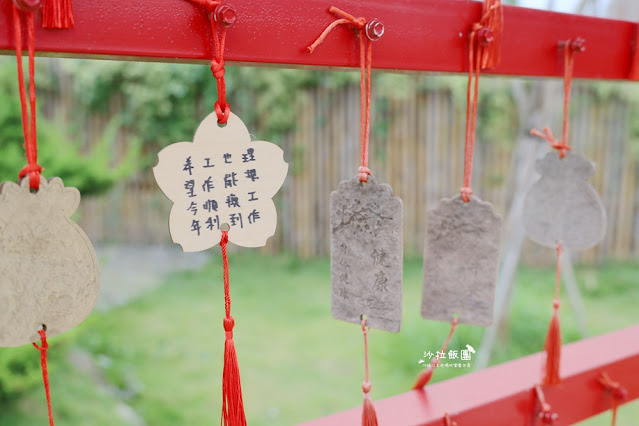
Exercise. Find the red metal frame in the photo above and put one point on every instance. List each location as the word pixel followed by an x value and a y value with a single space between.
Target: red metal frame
pixel 504 395
pixel 429 35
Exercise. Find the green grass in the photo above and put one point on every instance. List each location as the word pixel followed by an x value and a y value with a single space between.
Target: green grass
pixel 163 353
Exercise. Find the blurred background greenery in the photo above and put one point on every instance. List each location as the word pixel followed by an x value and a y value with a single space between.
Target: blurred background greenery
pixel 155 358
pixel 158 360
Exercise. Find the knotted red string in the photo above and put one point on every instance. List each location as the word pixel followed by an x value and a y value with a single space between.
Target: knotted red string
pixel 369 417
pixel 619 393
pixel 222 108
pixel 424 377
pixel 45 371
pixel 483 52
pixel 365 60
pixel 32 168
pixel 546 414
pixel 232 403
pixel 570 48
pixel 552 346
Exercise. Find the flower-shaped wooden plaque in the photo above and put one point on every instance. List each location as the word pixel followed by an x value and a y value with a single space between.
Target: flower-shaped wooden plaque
pixel 221 179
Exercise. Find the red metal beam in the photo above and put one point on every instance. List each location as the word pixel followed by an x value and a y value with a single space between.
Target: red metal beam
pixel 429 35
pixel 504 395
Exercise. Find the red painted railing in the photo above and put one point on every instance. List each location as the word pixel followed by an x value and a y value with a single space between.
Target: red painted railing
pixel 504 395
pixel 425 35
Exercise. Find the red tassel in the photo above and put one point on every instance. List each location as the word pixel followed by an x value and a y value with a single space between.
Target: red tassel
pixel 232 403
pixel 493 21
pixel 553 348
pixel 369 417
pixel 57 14
pixel 423 378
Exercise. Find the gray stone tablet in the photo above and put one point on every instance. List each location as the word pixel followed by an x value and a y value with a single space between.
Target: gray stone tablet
pixel 49 272
pixel 366 254
pixel 461 260
pixel 563 206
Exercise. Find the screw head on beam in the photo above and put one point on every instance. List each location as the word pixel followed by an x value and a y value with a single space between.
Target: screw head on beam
pixel 374 30
pixel 485 36
pixel 225 15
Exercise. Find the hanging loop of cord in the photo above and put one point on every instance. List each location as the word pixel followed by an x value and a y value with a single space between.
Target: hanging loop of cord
pixel 33 169
pixel 618 392
pixel 562 146
pixel 222 16
pixel 424 377
pixel 368 32
pixel 483 52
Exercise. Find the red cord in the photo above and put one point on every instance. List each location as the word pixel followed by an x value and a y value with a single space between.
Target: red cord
pixel 619 393
pixel 45 371
pixel 483 52
pixel 471 115
pixel 225 264
pixel 424 377
pixel 365 61
pixel 222 108
pixel 366 386
pixel 559 249
pixel 32 168
pixel 562 146
pixel 453 327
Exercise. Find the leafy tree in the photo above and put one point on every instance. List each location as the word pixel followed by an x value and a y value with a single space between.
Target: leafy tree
pixel 93 171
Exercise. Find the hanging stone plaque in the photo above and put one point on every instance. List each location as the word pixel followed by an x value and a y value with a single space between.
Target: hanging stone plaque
pixel 49 272
pixel 366 254
pixel 461 261
pixel 563 206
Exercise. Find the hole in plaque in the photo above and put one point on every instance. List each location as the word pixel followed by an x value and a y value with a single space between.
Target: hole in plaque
pixel 225 227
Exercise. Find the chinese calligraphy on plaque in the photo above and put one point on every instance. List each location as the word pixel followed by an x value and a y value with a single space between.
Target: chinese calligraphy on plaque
pixel 221 180
pixel 366 254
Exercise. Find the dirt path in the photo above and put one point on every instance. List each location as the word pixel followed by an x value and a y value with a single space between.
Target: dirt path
pixel 128 272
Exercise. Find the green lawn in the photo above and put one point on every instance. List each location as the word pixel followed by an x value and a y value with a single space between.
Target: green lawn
pixel 162 354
